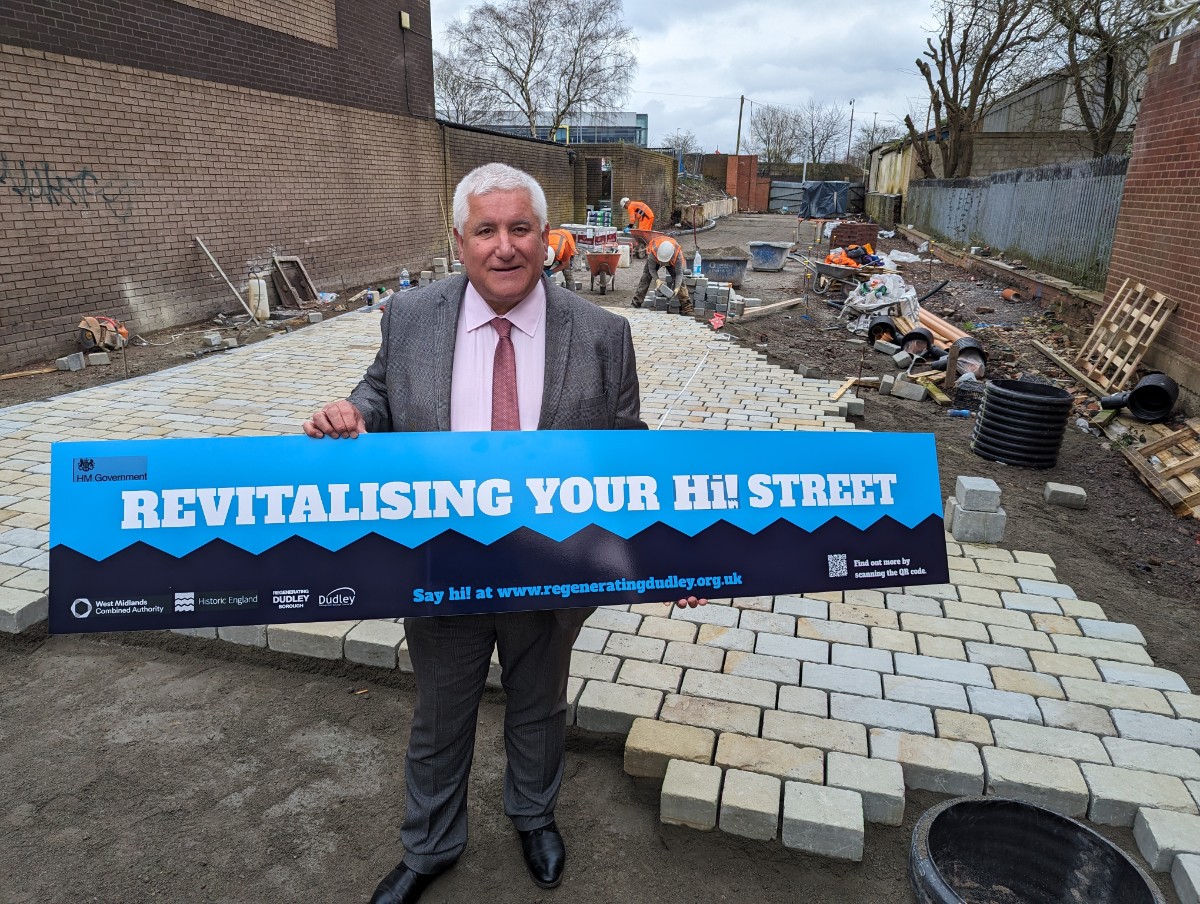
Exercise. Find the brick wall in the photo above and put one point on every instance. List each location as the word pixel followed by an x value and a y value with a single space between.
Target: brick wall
pixel 742 180
pixel 373 65
pixel 999 151
pixel 312 20
pixel 638 174
pixel 1158 229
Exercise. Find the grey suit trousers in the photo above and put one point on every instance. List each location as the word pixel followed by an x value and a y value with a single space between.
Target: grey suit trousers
pixel 451 656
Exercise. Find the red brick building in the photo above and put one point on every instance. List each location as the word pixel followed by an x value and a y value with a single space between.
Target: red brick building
pixel 293 127
pixel 1157 241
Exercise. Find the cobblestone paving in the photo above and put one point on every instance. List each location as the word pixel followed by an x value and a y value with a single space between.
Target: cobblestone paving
pixel 791 717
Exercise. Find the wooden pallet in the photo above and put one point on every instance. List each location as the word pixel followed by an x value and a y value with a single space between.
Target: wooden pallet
pixel 1174 475
pixel 1122 336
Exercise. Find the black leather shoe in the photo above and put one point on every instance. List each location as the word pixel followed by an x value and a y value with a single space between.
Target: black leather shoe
pixel 545 855
pixel 403 885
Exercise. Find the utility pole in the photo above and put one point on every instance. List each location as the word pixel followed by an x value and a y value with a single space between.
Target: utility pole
pixel 850 137
pixel 738 149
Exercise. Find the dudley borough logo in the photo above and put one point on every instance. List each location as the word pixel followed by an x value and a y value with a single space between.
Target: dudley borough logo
pixel 343 596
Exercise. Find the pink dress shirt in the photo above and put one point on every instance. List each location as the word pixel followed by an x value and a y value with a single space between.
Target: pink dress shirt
pixel 475 350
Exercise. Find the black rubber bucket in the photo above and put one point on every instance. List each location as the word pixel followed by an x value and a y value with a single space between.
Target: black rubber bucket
pixel 882 327
pixel 991 850
pixel 1021 423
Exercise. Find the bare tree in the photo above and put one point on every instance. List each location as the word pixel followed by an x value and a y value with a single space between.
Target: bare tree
pixel 1104 46
pixel 823 129
pixel 459 96
pixel 553 57
pixel 681 142
pixel 868 136
pixel 774 134
pixel 983 49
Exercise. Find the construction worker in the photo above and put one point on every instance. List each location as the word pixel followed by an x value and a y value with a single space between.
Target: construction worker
pixel 664 251
pixel 640 214
pixel 560 251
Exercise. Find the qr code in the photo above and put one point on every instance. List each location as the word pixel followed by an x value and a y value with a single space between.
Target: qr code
pixel 837 565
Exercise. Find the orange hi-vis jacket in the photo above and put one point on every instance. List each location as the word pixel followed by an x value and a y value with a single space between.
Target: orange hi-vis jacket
pixel 563 244
pixel 640 215
pixel 652 251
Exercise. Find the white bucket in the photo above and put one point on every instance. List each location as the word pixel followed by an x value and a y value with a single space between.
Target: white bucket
pixel 624 261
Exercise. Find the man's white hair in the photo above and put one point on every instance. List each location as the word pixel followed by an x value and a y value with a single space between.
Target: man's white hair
pixel 496 177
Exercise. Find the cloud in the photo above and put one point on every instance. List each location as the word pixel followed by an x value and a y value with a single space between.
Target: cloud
pixel 696 59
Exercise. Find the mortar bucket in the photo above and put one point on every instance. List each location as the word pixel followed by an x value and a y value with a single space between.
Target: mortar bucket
pixel 768 255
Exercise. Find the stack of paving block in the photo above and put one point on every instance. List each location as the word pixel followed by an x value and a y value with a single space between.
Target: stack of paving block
pixel 699 289
pixel 425 279
pixel 439 267
pixel 457 267
pixel 973 514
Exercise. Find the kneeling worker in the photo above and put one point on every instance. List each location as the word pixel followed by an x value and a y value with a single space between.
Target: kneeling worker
pixel 664 251
pixel 560 251
pixel 640 214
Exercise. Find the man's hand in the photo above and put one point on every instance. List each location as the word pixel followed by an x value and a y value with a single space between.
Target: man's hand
pixel 337 420
pixel 689 602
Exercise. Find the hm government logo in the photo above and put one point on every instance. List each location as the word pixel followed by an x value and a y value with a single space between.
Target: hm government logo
pixel 87 464
pixel 343 596
pixel 185 602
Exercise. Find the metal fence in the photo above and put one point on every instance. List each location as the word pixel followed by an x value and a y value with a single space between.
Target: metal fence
pixel 1058 219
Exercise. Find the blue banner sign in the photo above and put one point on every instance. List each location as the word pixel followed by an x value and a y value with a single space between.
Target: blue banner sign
pixel 151 534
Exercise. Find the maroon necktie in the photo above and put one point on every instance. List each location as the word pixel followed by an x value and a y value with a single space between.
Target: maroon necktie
pixel 505 414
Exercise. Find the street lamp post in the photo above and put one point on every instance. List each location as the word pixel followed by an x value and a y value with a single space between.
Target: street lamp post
pixel 850 137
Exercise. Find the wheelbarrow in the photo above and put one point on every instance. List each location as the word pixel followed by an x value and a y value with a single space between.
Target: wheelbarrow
pixel 826 276
pixel 603 265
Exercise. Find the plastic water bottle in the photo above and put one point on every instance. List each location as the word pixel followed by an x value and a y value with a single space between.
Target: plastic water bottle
pixel 405 282
pixel 697 264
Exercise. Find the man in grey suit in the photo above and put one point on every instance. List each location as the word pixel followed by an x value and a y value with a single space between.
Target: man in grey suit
pixel 502 348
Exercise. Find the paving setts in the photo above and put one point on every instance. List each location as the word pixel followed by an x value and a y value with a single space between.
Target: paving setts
pixel 797 717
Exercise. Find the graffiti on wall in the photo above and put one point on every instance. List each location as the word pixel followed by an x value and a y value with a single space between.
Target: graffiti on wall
pixel 40 183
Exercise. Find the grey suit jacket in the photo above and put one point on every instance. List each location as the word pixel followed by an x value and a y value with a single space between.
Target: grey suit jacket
pixel 591 380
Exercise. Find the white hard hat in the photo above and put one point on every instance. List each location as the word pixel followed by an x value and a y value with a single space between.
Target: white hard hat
pixel 549 255
pixel 624 202
pixel 665 252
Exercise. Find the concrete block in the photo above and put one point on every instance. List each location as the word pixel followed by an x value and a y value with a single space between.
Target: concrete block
pixel 750 805
pixel 886 348
pixel 868 616
pixel 941 647
pixel 202 633
pixel 594 667
pixel 726 638
pixel 1048 781
pixel 634 646
pixel 668 629
pixel 792 647
pixel 653 675
pixel 725 616
pixel 931 764
pixel 1181 761
pixel 880 782
pixel 881 713
pixel 613 708
pixel 692 656
pixel 771 622
pixel 1121 633
pixel 375 642
pixel 315 316
pixel 1162 834
pixel 784 761
pixel 811 731
pixel 949 670
pixel 977 494
pixel 802 606
pixel 855 657
pixel 991 654
pixel 607 618
pixel 977 527
pixel 944 627
pixel 1055 624
pixel 231 342
pixel 1004 705
pixel 1046 588
pixel 1186 706
pixel 806 700
pixel 690 795
pixel 895 641
pixel 1065 495
pixel 730 688
pixel 1049 741
pixel 715 714
pixel 1185 875
pixel 958 726
pixel 1140 675
pixel 75 361
pixel 321 640
pixel 763 668
pixel 1116 696
pixel 901 359
pixel 825 821
pixel 652 744
pixel 1034 684
pixel 1064 666
pixel 1028 602
pixel 590 640
pixel 923 691
pixel 21 609
pixel 886 384
pixel 832 631
pixel 574 690
pixel 840 678
pixel 907 602
pixel 1157 729
pixel 906 389
pixel 248 635
pixel 98 359
pixel 987 615
pixel 1118 793
pixel 1076 717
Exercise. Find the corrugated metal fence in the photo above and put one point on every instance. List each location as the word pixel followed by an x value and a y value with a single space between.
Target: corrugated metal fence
pixel 1058 219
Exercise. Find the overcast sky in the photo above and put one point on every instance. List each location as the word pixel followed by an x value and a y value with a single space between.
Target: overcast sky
pixel 772 52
